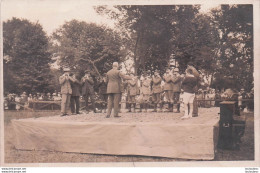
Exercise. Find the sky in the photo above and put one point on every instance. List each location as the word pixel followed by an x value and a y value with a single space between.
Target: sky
pixel 52 14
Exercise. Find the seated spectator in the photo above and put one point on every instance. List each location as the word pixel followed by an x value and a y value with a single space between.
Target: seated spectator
pixel 18 102
pixel 30 98
pixel 48 97
pixel 55 97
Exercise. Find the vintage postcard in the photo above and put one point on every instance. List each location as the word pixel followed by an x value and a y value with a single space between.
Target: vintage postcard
pixel 129 83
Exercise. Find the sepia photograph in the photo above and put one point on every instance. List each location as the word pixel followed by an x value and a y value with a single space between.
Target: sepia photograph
pixel 128 83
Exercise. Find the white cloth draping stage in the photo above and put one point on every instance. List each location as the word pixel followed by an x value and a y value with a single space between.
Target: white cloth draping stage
pixel 194 138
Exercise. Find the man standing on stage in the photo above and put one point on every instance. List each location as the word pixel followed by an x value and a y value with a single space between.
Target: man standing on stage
pixel 66 91
pixel 156 89
pixel 133 91
pixel 177 79
pixel 188 85
pixel 114 77
pixel 145 91
pixel 74 100
pixel 102 90
pixel 168 88
pixel 88 90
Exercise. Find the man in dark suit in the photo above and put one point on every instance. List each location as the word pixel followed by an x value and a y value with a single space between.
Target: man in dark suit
pixel 88 90
pixel 102 90
pixel 114 77
pixel 74 99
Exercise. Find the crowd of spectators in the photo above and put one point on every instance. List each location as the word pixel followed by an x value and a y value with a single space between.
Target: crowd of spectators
pixel 206 98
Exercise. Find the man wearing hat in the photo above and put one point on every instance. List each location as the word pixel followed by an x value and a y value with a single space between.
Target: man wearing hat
pixel 177 80
pixel 156 89
pixel 113 78
pixel 168 88
pixel 66 91
pixel 88 90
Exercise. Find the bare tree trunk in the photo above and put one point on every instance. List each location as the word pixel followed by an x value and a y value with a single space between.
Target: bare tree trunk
pixel 135 54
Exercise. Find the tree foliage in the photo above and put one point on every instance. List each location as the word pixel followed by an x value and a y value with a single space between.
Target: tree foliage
pixel 218 43
pixel 26 57
pixel 81 46
pixel 158 32
pixel 235 45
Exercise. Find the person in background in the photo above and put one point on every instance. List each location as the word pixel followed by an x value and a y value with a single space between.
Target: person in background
pixel 10 102
pixel 145 91
pixel 30 98
pixel 102 90
pixel 244 96
pixel 189 83
pixel 181 99
pixel 177 80
pixel 133 91
pixel 250 103
pixel 200 96
pixel 66 91
pixel 59 96
pixel 88 90
pixel 156 90
pixel 217 98
pixel 55 97
pixel 24 100
pixel 168 89
pixel 74 99
pixel 44 97
pixel 17 100
pixel 113 78
pixel 48 97
pixel 35 98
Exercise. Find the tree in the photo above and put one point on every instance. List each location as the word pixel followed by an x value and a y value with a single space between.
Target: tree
pixel 80 45
pixel 158 32
pixel 235 40
pixel 26 57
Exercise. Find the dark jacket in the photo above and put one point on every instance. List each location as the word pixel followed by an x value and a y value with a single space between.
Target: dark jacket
pixel 102 87
pixel 75 86
pixel 88 86
pixel 189 83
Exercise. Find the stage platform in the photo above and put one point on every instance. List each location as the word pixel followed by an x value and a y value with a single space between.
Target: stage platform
pixel 148 134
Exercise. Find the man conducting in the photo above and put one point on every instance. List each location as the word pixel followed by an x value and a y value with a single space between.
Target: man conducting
pixel 114 77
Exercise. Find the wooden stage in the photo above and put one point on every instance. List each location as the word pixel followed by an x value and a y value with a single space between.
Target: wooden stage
pixel 148 134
